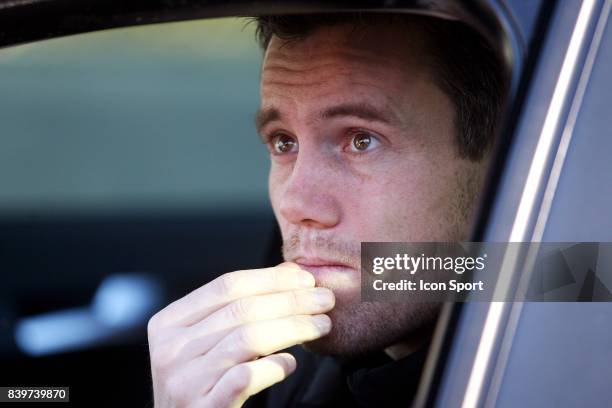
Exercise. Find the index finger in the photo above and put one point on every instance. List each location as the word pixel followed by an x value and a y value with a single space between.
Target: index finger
pixel 205 300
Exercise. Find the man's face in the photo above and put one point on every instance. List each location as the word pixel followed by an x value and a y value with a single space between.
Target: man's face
pixel 362 149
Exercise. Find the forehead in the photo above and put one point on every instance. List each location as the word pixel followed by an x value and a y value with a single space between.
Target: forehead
pixel 377 56
pixel 388 39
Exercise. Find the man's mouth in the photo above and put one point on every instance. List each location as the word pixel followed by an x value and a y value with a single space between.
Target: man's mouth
pixel 320 263
pixel 327 271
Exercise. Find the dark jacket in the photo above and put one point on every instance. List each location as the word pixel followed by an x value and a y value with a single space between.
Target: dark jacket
pixel 323 381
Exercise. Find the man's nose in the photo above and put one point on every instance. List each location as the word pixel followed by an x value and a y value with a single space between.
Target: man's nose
pixel 310 197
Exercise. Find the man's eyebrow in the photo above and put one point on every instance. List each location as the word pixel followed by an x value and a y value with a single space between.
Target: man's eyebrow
pixel 361 110
pixel 263 116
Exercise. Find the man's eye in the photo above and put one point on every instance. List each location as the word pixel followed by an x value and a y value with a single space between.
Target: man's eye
pixel 284 144
pixel 362 141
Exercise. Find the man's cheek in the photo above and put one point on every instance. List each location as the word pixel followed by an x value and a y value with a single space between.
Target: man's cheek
pixel 275 187
pixel 397 215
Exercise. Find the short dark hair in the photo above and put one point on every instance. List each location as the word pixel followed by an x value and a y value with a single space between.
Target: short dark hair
pixel 468 69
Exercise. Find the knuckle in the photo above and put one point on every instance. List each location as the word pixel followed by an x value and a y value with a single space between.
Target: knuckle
pixel 293 301
pixel 303 323
pixel 159 360
pixel 274 277
pixel 174 390
pixel 238 381
pixel 229 284
pixel 159 322
pixel 240 310
pixel 163 355
pixel 246 338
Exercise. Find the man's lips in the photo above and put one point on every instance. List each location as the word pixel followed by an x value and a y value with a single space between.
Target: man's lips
pixel 335 275
pixel 326 270
pixel 318 262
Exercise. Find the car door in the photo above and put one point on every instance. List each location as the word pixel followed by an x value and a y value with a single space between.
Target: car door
pixel 555 186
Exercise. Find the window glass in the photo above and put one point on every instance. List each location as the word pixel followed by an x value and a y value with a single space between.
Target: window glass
pixel 583 197
pixel 561 351
pixel 147 118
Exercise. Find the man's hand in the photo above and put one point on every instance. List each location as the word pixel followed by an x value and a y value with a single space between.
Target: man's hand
pixel 214 346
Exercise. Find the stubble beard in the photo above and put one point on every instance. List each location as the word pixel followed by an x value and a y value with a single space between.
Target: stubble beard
pixel 360 328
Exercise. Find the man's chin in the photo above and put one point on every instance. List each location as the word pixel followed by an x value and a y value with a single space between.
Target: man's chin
pixel 363 328
pixel 349 337
pixel 333 345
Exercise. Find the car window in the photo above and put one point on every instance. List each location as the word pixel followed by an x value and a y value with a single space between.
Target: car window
pixel 137 119
pixel 570 353
pixel 131 174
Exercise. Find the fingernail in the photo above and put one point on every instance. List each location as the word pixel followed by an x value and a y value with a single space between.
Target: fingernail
pixel 323 323
pixel 323 297
pixel 306 279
